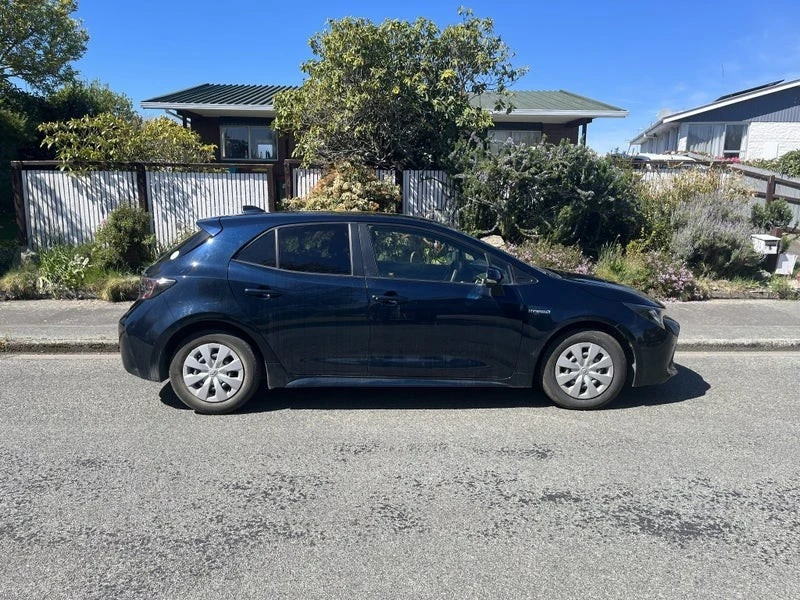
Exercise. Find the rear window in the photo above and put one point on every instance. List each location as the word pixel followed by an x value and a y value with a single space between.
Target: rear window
pixel 184 246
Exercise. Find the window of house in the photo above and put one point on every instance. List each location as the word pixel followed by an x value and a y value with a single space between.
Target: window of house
pixel 499 137
pixel 716 139
pixel 315 248
pixel 734 138
pixel 248 142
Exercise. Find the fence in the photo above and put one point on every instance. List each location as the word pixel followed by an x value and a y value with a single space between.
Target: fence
pixel 766 185
pixel 55 207
pixel 429 194
pixel 426 193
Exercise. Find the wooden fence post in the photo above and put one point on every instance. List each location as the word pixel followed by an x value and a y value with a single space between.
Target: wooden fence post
pixel 141 187
pixel 769 196
pixel 19 203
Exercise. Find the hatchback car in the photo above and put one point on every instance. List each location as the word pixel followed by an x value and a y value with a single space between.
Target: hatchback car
pixel 347 299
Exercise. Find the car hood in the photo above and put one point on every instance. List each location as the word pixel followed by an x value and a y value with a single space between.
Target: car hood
pixel 608 290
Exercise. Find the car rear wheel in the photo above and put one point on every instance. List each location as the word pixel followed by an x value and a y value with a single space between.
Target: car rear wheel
pixel 215 373
pixel 585 370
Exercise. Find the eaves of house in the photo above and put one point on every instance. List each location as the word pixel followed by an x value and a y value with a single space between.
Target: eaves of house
pixel 665 122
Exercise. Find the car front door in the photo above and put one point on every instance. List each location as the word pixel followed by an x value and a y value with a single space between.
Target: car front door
pixel 302 287
pixel 431 315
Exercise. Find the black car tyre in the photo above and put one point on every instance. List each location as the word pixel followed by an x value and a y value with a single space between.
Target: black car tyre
pixel 215 373
pixel 585 370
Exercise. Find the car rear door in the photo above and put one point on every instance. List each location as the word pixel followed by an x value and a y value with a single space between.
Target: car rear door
pixel 302 287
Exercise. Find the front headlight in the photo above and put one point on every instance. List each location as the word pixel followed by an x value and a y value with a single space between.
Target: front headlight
pixel 651 313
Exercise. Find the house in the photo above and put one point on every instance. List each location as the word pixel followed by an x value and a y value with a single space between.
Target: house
pixel 238 119
pixel 760 122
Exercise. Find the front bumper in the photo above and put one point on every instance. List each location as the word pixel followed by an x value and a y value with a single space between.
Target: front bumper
pixel 655 354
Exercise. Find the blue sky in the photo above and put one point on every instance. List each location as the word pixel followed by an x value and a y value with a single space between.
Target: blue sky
pixel 644 57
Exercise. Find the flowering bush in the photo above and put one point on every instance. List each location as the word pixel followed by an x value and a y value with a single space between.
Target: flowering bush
pixel 351 187
pixel 652 271
pixel 542 253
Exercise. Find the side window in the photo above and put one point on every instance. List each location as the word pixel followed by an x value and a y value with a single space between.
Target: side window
pixel 315 249
pixel 260 251
pixel 411 254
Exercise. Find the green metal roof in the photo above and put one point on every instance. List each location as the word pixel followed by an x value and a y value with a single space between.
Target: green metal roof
pixel 263 95
pixel 544 100
pixel 226 94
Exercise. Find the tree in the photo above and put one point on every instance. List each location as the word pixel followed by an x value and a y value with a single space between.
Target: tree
pixel 38 41
pixel 111 138
pixel 80 98
pixel 395 95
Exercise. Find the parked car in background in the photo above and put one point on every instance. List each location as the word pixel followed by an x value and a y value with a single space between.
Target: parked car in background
pixel 348 299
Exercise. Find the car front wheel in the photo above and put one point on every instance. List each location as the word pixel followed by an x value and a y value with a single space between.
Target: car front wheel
pixel 585 370
pixel 215 373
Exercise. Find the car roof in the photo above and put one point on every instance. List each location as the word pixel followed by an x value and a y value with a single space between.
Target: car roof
pixel 280 217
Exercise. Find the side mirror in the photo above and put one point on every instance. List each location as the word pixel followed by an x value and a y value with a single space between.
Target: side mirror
pixel 494 276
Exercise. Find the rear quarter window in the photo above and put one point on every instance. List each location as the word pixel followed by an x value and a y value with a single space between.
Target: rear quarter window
pixel 184 246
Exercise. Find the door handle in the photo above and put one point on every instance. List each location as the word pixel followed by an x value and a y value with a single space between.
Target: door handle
pixel 390 299
pixel 261 292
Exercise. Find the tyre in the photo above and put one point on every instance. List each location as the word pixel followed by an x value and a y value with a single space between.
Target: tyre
pixel 215 373
pixel 586 369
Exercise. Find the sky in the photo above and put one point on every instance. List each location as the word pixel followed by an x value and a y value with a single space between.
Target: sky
pixel 645 57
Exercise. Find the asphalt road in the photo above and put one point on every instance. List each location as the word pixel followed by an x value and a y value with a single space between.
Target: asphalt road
pixel 110 489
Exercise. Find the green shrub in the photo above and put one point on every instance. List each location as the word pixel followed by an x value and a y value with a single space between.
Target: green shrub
pixel 662 200
pixel 789 163
pixel 712 236
pixel 565 193
pixel 20 284
pixel 349 187
pixel 775 214
pixel 62 271
pixel 782 286
pixel 120 288
pixel 124 241
pixel 651 271
pixel 542 253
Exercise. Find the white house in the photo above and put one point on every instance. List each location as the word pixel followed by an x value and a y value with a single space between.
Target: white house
pixel 761 122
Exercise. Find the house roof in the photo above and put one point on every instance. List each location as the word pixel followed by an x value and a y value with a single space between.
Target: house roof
pixel 213 99
pixel 727 100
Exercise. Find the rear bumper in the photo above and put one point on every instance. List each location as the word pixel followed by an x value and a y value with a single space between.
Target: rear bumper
pixel 655 354
pixel 137 343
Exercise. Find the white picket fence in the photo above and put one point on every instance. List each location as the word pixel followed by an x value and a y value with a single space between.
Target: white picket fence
pixel 66 208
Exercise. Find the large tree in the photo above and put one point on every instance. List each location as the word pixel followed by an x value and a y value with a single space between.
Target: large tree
pixel 38 41
pixel 396 94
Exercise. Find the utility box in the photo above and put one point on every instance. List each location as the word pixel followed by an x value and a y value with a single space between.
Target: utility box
pixel 768 246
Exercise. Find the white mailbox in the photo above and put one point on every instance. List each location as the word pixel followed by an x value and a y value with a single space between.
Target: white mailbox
pixel 766 244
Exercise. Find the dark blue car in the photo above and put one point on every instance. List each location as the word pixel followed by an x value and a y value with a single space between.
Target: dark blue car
pixel 347 299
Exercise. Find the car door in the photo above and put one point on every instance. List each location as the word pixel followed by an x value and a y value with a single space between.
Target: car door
pixel 430 314
pixel 302 287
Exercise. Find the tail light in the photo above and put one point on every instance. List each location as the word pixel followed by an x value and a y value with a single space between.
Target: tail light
pixel 150 287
